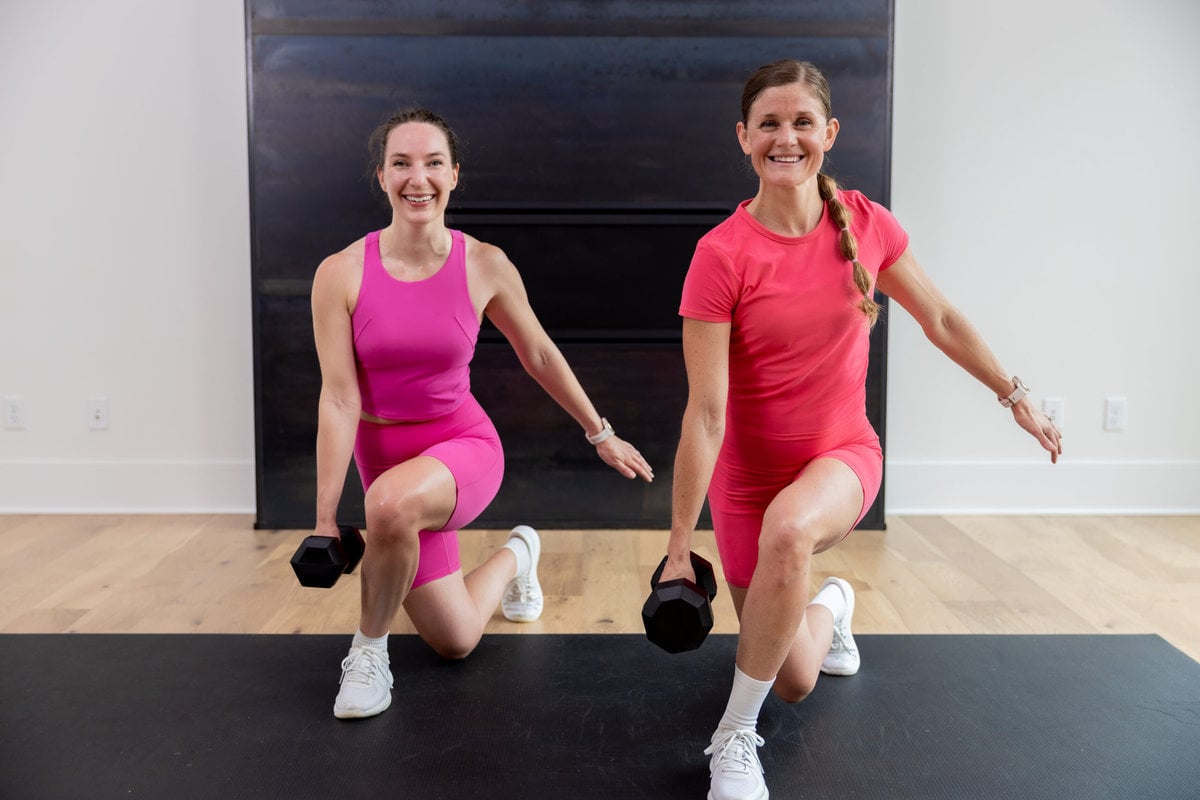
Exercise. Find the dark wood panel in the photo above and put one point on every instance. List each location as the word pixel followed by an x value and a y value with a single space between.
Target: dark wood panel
pixel 599 145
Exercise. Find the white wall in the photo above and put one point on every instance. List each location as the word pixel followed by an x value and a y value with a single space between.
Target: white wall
pixel 1043 164
pixel 124 229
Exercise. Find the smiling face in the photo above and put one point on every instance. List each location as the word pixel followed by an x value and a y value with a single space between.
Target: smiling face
pixel 786 134
pixel 418 171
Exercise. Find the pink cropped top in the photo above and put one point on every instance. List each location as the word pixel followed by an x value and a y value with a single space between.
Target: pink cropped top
pixel 414 340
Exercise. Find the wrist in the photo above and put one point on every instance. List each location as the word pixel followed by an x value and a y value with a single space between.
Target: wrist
pixel 606 431
pixel 1019 392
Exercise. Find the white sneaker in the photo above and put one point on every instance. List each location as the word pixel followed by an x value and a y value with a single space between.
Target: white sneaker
pixel 843 657
pixel 735 771
pixel 366 684
pixel 522 600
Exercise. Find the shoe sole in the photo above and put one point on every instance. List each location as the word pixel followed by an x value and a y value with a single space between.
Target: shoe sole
pixel 848 593
pixel 357 713
pixel 764 796
pixel 534 542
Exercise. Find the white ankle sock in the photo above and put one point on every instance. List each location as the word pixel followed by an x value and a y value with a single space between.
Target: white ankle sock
pixel 832 598
pixel 745 701
pixel 521 550
pixel 361 640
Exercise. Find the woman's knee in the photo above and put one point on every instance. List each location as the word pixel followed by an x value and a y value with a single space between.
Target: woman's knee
pixel 787 542
pixel 794 686
pixel 393 513
pixel 453 645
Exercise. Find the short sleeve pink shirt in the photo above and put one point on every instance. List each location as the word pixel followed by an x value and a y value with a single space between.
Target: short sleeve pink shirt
pixel 798 341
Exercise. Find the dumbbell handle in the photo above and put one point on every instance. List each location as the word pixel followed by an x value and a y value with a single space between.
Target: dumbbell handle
pixel 702 568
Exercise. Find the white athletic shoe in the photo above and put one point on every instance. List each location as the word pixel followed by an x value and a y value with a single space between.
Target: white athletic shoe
pixel 366 684
pixel 522 600
pixel 843 657
pixel 735 771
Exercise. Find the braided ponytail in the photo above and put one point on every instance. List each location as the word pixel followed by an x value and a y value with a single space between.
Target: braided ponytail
pixel 828 187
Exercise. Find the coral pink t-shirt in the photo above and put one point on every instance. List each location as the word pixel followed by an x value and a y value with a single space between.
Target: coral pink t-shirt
pixel 798 341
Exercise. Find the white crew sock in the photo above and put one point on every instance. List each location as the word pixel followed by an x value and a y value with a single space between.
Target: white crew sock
pixel 360 640
pixel 520 549
pixel 745 701
pixel 832 598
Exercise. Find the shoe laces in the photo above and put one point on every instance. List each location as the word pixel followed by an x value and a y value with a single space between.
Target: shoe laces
pixel 364 665
pixel 520 590
pixel 840 643
pixel 736 752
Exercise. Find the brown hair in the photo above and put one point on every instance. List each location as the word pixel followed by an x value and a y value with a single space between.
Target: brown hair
pixel 377 143
pixel 785 73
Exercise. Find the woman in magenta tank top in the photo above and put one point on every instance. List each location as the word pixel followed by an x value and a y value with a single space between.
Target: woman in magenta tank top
pixel 777 308
pixel 396 316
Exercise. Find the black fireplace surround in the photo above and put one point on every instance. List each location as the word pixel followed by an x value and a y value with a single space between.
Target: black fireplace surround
pixel 598 147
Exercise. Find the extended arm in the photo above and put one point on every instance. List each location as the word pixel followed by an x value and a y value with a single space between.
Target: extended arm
pixel 952 333
pixel 509 310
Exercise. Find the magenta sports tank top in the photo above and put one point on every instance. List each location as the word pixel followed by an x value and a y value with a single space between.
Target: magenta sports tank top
pixel 413 340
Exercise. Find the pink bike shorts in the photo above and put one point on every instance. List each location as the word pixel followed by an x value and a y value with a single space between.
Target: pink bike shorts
pixel 465 440
pixel 752 470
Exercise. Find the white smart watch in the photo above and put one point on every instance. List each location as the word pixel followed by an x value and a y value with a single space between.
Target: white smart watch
pixel 1018 393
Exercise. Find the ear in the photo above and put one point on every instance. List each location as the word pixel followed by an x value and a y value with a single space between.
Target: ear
pixel 379 178
pixel 831 132
pixel 454 177
pixel 743 138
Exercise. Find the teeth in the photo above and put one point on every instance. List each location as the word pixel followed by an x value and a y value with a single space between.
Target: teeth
pixel 786 159
pixel 419 198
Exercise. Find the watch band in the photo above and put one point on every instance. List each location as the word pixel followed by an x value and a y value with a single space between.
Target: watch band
pixel 1018 393
pixel 603 435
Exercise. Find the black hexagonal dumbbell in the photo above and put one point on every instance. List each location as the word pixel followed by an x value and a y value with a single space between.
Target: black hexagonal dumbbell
pixel 678 613
pixel 320 560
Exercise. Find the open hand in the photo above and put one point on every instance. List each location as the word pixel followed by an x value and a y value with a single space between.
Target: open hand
pixel 1040 426
pixel 624 458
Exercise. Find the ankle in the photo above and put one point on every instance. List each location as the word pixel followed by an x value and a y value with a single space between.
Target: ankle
pixel 520 550
pixel 374 642
pixel 833 598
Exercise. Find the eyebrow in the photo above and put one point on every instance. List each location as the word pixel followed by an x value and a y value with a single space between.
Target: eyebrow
pixel 800 113
pixel 406 155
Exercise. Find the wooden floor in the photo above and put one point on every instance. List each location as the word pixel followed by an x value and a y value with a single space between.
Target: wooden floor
pixel 961 574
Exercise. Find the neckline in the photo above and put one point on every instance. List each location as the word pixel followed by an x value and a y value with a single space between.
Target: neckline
pixel 429 277
pixel 744 213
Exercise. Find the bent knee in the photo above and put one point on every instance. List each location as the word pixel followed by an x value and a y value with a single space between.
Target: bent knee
pixel 793 689
pixel 454 648
pixel 787 543
pixel 393 512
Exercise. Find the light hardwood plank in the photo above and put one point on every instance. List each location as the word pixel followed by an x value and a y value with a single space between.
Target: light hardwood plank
pixel 953 574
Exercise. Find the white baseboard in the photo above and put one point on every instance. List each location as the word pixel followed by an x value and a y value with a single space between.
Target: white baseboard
pixel 912 487
pixel 1069 487
pixel 49 486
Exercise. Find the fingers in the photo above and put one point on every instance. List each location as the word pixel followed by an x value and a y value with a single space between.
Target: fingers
pixel 1051 438
pixel 625 459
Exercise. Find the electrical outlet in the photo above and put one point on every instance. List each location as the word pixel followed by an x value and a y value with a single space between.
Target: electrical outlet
pixel 1052 407
pixel 14 413
pixel 98 413
pixel 1116 413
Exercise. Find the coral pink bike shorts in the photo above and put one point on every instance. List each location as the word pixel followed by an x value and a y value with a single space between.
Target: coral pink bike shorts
pixel 752 470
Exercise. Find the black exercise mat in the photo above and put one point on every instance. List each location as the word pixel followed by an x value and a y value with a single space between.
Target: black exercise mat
pixel 543 716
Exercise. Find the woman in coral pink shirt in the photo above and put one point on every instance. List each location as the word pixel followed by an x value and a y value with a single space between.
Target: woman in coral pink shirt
pixel 777 309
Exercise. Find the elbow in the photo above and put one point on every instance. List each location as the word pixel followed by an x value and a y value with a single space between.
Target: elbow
pixel 341 402
pixel 707 421
pixel 540 360
pixel 941 329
